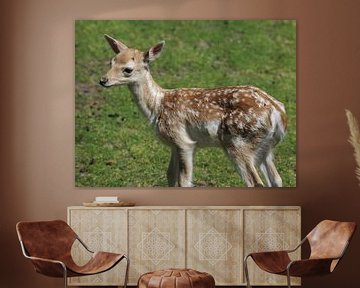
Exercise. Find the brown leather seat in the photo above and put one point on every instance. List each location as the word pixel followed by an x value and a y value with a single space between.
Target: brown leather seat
pixel 176 278
pixel 48 245
pixel 328 242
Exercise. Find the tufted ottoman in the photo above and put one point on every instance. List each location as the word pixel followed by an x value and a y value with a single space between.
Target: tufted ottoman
pixel 176 278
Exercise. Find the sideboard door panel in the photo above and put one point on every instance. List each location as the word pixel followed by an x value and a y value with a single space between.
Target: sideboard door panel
pixel 214 244
pixel 101 230
pixel 269 230
pixel 156 240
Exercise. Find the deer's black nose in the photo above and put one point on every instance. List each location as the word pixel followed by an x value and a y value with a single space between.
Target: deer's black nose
pixel 103 81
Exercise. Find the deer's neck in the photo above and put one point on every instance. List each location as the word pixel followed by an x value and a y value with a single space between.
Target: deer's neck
pixel 148 95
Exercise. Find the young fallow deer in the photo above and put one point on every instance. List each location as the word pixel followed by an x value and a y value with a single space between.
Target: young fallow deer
pixel 244 120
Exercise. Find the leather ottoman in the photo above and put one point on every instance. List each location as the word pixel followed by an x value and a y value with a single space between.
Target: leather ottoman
pixel 176 278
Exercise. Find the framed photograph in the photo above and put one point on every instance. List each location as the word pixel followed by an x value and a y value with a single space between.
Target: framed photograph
pixel 185 103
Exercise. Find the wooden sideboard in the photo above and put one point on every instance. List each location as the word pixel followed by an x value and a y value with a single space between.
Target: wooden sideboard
pixel 210 239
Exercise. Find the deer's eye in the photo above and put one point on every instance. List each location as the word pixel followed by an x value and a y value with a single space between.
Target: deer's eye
pixel 127 70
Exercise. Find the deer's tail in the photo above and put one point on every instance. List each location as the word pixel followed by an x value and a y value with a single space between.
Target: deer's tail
pixel 279 123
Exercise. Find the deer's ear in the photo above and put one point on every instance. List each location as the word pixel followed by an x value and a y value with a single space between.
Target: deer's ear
pixel 116 45
pixel 154 52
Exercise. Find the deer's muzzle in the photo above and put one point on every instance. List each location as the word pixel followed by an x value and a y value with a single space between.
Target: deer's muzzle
pixel 103 81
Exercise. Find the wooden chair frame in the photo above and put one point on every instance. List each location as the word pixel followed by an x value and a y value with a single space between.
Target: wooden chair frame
pixel 321 265
pixel 65 269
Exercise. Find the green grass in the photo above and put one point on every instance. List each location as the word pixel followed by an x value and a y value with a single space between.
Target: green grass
pixel 116 147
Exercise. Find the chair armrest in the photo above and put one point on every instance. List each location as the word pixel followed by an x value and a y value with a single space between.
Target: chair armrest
pixel 298 246
pixel 49 267
pixel 309 267
pixel 45 260
pixel 271 261
pixel 84 245
pixel 280 251
pixel 269 253
pixel 38 259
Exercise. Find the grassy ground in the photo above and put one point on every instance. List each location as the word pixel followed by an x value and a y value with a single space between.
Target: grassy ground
pixel 116 147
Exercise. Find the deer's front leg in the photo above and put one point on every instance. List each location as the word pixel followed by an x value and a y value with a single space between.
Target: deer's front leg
pixel 173 169
pixel 186 156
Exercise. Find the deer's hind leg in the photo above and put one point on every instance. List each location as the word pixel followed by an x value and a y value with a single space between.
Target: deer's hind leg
pixel 264 159
pixel 270 172
pixel 244 163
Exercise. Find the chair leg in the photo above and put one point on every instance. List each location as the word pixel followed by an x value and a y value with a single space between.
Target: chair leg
pixel 127 271
pixel 246 270
pixel 65 275
pixel 288 279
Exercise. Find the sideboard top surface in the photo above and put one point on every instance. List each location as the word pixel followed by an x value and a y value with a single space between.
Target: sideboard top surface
pixel 191 207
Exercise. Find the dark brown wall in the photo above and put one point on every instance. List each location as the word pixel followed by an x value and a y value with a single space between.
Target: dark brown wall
pixel 37 117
